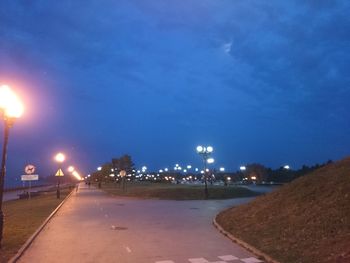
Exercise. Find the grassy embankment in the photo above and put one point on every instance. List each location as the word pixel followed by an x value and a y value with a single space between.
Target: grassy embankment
pixel 176 192
pixel 305 221
pixel 22 219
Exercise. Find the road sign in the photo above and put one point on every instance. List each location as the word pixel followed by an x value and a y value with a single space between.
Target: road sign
pixel 29 169
pixel 30 177
pixel 122 173
pixel 59 172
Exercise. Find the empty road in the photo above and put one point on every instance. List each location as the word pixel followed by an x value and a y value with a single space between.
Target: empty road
pixel 94 227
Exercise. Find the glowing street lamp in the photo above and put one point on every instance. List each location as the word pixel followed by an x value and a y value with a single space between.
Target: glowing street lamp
pixel 71 169
pixel 99 168
pixel 11 109
pixel 205 153
pixel 211 160
pixel 222 169
pixel 287 167
pixel 59 157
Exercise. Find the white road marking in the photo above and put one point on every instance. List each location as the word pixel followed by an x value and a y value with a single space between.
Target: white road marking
pixel 128 249
pixel 228 257
pixel 250 260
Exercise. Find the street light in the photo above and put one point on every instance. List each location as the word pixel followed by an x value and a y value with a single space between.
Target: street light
pixel 59 157
pixel 205 153
pixel 11 108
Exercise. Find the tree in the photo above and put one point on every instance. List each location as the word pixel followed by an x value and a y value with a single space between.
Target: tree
pixel 123 163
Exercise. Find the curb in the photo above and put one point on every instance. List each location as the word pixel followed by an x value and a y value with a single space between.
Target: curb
pixel 257 252
pixel 37 232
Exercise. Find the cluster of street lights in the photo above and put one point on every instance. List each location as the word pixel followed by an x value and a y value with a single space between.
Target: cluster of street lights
pixel 11 109
pixel 205 152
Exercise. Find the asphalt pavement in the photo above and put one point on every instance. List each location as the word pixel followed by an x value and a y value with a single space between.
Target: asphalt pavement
pixel 95 227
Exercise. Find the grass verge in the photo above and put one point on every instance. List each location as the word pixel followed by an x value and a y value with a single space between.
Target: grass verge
pixel 23 217
pixel 176 192
pixel 305 221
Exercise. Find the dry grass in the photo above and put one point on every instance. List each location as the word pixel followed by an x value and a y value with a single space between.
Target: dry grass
pixel 177 192
pixel 23 217
pixel 306 221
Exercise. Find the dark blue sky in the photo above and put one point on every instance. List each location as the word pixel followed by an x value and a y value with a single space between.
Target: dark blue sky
pixel 260 81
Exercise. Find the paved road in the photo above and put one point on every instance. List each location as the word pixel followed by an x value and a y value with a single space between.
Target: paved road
pixel 93 227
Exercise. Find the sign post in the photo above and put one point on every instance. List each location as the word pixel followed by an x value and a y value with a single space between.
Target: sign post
pixel 29 176
pixel 59 173
pixel 122 174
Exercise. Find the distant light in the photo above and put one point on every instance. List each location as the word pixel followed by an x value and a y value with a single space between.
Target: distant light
pixel 99 168
pixel 210 160
pixel 88 175
pixel 112 170
pixel 222 169
pixel 185 170
pixel 196 169
pixel 253 177
pixel 166 169
pixel 207 170
pixel 242 168
pixel 228 178
pixel 77 175
pixel 189 166
pixel 160 170
pixel 144 168
pixel 70 169
pixel 210 149
pixel 179 168
pixel 60 157
pixel 287 167
pixel 112 175
pixel 200 149
pixel 202 172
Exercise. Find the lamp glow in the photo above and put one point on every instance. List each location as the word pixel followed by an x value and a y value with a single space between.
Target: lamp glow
pixel 60 157
pixel 199 149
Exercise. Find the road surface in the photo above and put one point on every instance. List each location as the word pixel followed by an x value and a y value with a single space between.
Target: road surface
pixel 94 227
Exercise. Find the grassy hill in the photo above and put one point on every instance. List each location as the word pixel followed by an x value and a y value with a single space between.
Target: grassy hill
pixel 305 221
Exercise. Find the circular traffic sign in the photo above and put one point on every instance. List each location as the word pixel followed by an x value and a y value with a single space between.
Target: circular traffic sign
pixel 29 169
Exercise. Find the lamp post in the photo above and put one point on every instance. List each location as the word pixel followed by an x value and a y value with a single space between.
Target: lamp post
pixel 59 157
pixel 11 108
pixel 205 153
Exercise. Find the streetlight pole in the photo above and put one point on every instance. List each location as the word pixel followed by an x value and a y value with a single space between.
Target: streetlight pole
pixel 11 108
pixel 205 153
pixel 60 159
pixel 7 125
